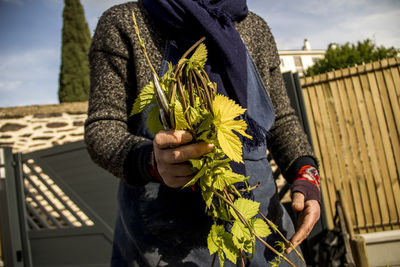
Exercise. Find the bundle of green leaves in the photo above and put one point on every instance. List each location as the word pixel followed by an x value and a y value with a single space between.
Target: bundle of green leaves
pixel 195 106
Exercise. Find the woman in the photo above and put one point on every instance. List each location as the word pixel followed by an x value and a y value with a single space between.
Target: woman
pixel 158 223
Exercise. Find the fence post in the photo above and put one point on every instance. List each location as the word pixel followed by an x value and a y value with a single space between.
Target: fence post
pixel 15 244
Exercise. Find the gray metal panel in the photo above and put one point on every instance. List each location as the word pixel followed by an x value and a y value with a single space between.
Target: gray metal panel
pixel 82 246
pixel 71 167
pixel 15 246
pixel 94 191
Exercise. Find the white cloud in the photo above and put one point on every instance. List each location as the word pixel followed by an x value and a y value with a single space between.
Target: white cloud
pixel 323 22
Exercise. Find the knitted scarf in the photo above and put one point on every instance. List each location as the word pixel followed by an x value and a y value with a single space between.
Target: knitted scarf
pixel 186 21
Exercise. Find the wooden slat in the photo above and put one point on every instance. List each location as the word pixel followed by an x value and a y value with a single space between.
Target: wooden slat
pixel 394 98
pixel 345 126
pixel 331 162
pixel 375 148
pixel 385 152
pixel 333 111
pixel 328 190
pixel 352 118
pixel 368 187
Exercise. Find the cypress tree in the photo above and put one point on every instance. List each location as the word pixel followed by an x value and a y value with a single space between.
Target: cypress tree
pixel 74 70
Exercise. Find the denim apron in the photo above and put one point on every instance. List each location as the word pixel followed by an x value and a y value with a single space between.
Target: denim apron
pixel 161 226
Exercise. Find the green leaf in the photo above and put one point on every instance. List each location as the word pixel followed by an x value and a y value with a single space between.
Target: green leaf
pixel 206 123
pixel 230 144
pixel 153 120
pixel 231 177
pixel 220 241
pixel 206 181
pixel 239 126
pixel 225 112
pixel 247 208
pixel 229 248
pixel 197 164
pixel 219 181
pixel 198 175
pixel 195 116
pixel 221 257
pixel 212 239
pixel 199 56
pixel 144 99
pixel 242 237
pixel 180 120
pixel 260 227
pixel 226 108
pixel 221 213
pixel 280 246
pixel 208 197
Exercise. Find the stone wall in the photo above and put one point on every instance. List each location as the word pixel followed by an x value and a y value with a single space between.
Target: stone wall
pixel 31 128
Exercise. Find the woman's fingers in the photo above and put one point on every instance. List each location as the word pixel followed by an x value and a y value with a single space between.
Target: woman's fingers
pixel 168 139
pixel 172 150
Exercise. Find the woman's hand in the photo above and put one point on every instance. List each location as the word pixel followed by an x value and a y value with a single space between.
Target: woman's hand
pixel 308 214
pixel 172 150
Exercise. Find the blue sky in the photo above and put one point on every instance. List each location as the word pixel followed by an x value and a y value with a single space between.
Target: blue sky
pixel 30 35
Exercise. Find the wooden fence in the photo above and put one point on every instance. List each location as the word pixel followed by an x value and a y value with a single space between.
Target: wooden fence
pixel 354 116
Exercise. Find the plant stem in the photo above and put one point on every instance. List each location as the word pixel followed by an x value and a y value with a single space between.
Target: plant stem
pixel 272 249
pixel 213 261
pixel 230 203
pixel 276 230
pixel 207 93
pixel 189 85
pixel 193 47
pixel 141 43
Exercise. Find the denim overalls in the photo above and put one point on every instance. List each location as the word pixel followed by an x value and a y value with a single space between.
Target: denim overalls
pixel 161 226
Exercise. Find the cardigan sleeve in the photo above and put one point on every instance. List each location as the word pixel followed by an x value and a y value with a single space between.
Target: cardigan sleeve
pixel 289 144
pixel 112 88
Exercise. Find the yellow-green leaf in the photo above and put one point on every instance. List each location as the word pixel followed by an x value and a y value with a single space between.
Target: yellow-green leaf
pixel 229 248
pixel 207 197
pixel 247 208
pixel 198 175
pixel 221 258
pixel 211 240
pixel 226 108
pixel 195 116
pixel 144 99
pixel 153 120
pixel 225 112
pixel 238 126
pixel 261 228
pixel 199 56
pixel 230 143
pixel 180 120
pixel 242 237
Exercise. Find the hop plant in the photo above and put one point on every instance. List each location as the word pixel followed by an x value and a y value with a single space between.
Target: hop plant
pixel 195 106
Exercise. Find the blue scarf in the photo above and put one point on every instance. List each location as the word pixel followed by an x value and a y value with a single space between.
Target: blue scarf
pixel 186 21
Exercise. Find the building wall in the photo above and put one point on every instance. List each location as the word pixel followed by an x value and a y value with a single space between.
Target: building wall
pixel 299 60
pixel 31 128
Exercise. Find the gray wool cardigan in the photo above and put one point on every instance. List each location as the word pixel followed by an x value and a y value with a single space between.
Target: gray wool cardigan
pixel 119 70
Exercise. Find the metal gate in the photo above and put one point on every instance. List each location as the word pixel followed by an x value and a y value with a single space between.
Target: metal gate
pixel 65 208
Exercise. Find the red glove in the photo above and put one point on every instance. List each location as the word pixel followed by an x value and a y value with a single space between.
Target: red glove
pixel 307 182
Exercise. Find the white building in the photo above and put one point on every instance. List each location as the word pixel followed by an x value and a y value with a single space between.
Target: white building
pixel 299 60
